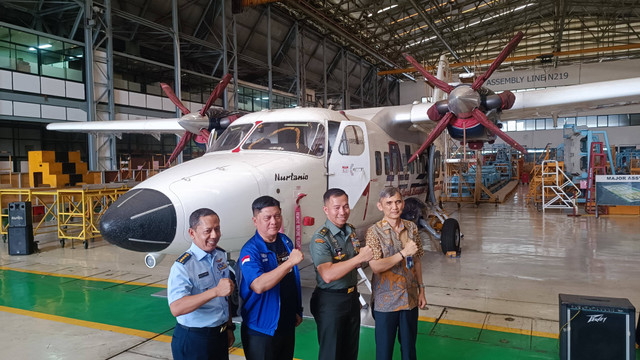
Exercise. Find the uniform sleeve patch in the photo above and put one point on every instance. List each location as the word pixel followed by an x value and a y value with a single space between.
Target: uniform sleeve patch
pixel 245 259
pixel 184 258
pixel 319 241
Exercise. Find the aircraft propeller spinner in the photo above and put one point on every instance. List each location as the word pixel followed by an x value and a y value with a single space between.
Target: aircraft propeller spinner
pixel 197 123
pixel 462 108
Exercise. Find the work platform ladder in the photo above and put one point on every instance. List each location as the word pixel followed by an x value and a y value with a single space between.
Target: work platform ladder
pixel 555 187
pixel 597 166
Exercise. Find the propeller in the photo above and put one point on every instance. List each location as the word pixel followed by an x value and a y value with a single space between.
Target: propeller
pixel 196 124
pixel 461 109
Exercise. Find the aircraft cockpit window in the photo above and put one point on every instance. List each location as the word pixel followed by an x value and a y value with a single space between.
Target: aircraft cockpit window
pixel 231 137
pixel 352 141
pixel 300 137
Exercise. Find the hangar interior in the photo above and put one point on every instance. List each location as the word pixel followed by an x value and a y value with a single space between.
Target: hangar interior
pixel 80 297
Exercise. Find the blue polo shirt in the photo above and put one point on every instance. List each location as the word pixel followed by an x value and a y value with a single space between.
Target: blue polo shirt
pixel 261 312
pixel 195 272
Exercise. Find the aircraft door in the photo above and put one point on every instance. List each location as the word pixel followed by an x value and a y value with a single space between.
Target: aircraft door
pixel 348 164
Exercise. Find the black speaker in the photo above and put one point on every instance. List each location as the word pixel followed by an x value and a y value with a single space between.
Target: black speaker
pixel 20 214
pixel 594 327
pixel 21 240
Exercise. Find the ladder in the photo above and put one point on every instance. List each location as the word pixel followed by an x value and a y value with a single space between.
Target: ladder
pixel 597 166
pixel 555 187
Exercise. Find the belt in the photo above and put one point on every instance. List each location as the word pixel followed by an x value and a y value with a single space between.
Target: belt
pixel 348 290
pixel 213 329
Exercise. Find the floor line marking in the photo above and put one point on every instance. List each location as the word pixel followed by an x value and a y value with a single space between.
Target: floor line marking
pixel 421 318
pixel 81 277
pixel 490 327
pixel 90 324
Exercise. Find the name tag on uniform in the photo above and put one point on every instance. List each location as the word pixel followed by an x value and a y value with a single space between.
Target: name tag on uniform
pixel 200 276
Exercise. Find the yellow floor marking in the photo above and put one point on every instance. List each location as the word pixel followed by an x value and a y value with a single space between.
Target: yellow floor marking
pixel 89 324
pixel 80 277
pixel 491 327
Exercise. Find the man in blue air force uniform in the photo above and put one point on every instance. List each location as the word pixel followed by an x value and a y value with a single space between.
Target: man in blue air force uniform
pixel 197 289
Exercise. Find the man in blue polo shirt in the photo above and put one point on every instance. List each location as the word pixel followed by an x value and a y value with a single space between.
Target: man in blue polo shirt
pixel 197 289
pixel 269 286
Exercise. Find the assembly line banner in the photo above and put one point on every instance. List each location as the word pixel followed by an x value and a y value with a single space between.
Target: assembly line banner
pixel 618 190
pixel 536 78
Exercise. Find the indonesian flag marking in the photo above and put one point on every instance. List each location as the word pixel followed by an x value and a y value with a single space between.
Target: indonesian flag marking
pixel 245 259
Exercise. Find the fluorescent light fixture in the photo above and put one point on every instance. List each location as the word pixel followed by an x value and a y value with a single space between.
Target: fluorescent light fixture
pixel 32 49
pixel 383 10
pixel 45 46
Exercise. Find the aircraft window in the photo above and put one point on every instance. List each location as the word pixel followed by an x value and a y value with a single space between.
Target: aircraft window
pixel 407 156
pixel 396 166
pixel 231 137
pixel 287 136
pixel 352 141
pixel 378 163
pixel 334 126
pixel 387 163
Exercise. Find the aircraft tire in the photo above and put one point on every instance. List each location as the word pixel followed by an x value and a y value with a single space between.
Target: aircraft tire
pixel 450 236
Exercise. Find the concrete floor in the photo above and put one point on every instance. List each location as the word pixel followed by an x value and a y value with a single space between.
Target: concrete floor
pixel 515 261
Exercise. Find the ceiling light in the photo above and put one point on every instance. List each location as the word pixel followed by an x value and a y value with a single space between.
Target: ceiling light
pixel 45 46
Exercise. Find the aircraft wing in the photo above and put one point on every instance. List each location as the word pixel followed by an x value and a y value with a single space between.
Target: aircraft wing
pixel 149 126
pixel 574 99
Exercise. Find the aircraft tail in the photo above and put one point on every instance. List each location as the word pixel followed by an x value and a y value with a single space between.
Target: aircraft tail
pixel 444 74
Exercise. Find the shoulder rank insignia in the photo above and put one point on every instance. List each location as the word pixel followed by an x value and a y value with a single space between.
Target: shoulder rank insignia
pixel 184 258
pixel 323 231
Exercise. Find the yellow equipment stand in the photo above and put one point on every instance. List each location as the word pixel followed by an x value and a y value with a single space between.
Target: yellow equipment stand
pixel 77 211
pixel 43 197
pixel 80 209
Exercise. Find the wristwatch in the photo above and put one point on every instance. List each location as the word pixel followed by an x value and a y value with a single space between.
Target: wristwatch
pixel 231 327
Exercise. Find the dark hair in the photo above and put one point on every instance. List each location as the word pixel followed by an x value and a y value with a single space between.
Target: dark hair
pixel 389 191
pixel 263 202
pixel 333 192
pixel 194 218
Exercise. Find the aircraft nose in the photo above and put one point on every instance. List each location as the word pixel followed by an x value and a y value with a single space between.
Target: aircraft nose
pixel 141 220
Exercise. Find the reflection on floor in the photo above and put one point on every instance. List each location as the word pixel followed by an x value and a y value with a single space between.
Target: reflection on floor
pixel 499 300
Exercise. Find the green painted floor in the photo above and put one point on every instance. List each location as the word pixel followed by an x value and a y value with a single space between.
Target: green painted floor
pixel 133 307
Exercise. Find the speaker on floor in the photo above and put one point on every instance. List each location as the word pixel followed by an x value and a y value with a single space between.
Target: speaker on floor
pixel 21 240
pixel 20 213
pixel 594 327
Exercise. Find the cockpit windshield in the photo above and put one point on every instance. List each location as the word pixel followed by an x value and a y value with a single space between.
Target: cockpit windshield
pixel 301 137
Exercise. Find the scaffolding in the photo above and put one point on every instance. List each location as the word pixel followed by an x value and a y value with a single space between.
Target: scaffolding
pixel 74 213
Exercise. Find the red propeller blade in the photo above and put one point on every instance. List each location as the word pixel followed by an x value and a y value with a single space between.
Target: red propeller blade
pixel 174 99
pixel 432 79
pixel 482 119
pixel 184 140
pixel 216 93
pixel 442 124
pixel 496 63
pixel 202 137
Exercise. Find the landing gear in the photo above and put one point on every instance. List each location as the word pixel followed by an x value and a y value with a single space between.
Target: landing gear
pixel 450 236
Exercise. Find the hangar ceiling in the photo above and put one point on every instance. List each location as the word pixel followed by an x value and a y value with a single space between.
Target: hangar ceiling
pixel 351 39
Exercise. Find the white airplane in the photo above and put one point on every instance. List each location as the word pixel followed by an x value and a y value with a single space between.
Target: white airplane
pixel 296 154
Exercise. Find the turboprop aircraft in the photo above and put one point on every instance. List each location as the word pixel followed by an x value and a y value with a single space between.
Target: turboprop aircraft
pixel 296 154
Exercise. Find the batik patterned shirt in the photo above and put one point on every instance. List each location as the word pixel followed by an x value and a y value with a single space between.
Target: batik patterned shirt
pixel 397 288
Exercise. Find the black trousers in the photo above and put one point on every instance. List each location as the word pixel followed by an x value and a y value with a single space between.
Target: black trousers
pixel 388 324
pixel 337 316
pixel 266 347
pixel 199 343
